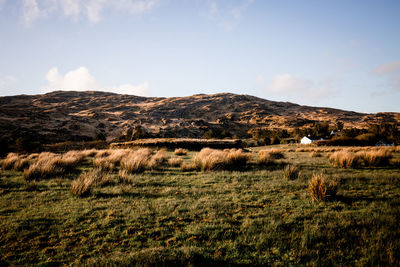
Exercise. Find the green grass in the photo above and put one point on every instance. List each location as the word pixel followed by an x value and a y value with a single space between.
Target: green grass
pixel 169 217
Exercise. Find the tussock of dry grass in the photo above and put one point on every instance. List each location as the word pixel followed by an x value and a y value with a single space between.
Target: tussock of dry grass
pixel 136 161
pixel 175 162
pixel 9 161
pixel 322 188
pixel 85 182
pixel 103 164
pixel 188 167
pixel 267 157
pixel 181 151
pixel 345 159
pixel 374 158
pixel 158 159
pixel 291 172
pixel 50 164
pixel 315 154
pixel 125 176
pixel 212 159
pixel 377 158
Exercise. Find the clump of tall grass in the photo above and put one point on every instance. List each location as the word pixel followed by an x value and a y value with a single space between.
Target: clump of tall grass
pixel 15 162
pixel 85 182
pixel 158 159
pixel 213 159
pixel 175 162
pixel 136 161
pixel 181 151
pixel 322 187
pixel 345 159
pixel 49 165
pixel 315 154
pixel 374 158
pixel 267 157
pixel 188 167
pixel 103 164
pixel 377 158
pixel 291 172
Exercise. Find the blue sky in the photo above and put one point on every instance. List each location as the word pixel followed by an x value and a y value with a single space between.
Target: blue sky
pixel 341 54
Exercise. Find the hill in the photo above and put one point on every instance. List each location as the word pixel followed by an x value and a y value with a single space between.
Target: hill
pixel 82 116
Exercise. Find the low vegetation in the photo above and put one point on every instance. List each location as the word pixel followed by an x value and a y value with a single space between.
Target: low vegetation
pixel 209 207
pixel 322 187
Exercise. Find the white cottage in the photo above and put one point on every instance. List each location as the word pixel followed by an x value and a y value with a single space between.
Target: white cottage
pixel 306 140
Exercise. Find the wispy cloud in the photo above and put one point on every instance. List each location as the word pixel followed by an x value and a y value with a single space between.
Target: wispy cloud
pixel 5 83
pixel 298 88
pixel 33 10
pixel 81 80
pixel 226 16
pixel 391 72
pixel 387 68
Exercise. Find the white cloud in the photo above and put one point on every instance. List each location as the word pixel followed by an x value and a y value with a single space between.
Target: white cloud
pixel 6 81
pixel 284 83
pixel 30 11
pixel 71 7
pixel 391 71
pixel 81 80
pixel 33 10
pixel 227 16
pixel 297 88
pixel 387 68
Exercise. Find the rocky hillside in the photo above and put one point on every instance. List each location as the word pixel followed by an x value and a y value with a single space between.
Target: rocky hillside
pixel 76 116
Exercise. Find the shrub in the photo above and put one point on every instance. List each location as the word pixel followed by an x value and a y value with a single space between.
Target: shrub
pixel 85 182
pixel 291 172
pixel 180 151
pixel 175 162
pixel 322 188
pixel 212 159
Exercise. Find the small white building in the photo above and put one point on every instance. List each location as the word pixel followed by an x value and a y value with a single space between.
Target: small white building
pixel 306 140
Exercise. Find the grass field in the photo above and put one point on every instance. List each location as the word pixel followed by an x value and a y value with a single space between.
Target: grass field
pixel 166 216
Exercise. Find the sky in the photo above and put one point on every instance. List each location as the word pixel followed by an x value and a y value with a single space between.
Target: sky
pixel 330 53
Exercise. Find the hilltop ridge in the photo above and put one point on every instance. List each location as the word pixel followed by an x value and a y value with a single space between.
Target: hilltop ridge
pixel 76 116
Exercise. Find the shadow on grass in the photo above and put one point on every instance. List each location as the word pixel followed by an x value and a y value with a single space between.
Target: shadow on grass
pixel 126 194
pixel 349 200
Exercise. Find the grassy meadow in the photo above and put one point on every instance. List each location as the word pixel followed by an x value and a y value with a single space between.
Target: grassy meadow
pixel 275 205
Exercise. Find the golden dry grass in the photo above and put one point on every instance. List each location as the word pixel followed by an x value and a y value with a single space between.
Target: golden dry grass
pixel 181 151
pixel 50 164
pixel 363 158
pixel 213 159
pixel 345 159
pixel 103 164
pixel 136 161
pixel 188 167
pixel 291 172
pixel 322 187
pixel 9 161
pixel 85 182
pixel 158 159
pixel 267 157
pixel 175 162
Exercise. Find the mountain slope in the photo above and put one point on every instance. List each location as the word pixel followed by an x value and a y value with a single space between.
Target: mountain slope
pixel 76 116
